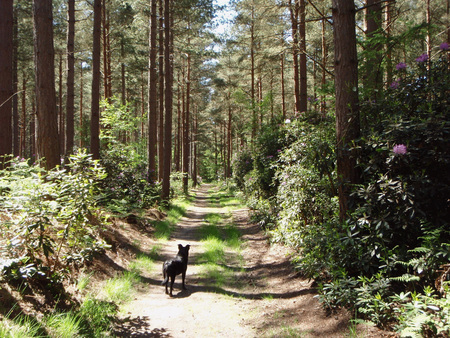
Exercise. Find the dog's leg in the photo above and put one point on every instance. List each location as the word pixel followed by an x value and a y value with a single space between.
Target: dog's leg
pixel 183 276
pixel 172 280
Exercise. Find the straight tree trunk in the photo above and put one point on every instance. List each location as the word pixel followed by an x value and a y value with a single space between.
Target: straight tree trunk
pixel 373 26
pixel 294 11
pixel 388 30
pixel 161 93
pixel 6 79
pixel 186 124
pixel 347 111
pixel 178 136
pixel 62 132
pixel 152 100
pixel 81 105
pixel 15 103
pixel 70 100
pixel 47 114
pixel 283 95
pixel 252 59
pixel 23 128
pixel 195 152
pixel 95 103
pixel 324 66
pixel 168 100
pixel 303 74
pixel 229 140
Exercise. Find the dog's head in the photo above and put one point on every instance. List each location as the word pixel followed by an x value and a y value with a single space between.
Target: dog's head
pixel 183 250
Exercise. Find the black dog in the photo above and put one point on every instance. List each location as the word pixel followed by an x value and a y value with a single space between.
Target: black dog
pixel 175 266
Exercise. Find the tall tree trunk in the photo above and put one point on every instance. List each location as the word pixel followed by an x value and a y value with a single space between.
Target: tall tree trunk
pixel 178 136
pixel 294 11
pixel 161 93
pixel 6 79
pixel 47 114
pixel 428 16
pixel 195 152
pixel 105 34
pixel 168 100
pixel 347 111
pixel 252 59
pixel 124 84
pixel 15 103
pixel 374 59
pixel 70 100
pixel 283 95
pixel 303 74
pixel 229 140
pixel 95 103
pixel 388 30
pixel 186 124
pixel 81 105
pixel 324 66
pixel 23 129
pixel 62 132
pixel 152 96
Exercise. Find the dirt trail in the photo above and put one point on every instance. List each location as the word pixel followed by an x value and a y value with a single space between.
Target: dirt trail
pixel 264 298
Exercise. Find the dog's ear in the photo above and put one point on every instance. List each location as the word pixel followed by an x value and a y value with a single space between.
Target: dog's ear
pixel 188 246
pixel 180 246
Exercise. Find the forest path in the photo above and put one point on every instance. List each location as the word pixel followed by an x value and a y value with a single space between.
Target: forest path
pixel 254 294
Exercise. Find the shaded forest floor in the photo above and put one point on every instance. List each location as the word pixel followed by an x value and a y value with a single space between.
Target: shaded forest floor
pixel 255 293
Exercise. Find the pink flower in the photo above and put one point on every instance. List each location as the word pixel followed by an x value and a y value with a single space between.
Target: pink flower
pixel 395 85
pixel 400 66
pixel 444 46
pixel 400 149
pixel 422 58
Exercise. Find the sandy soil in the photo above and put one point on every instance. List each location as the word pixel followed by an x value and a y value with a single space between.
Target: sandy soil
pixel 263 297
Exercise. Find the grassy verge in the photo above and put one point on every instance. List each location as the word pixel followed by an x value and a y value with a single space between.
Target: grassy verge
pixel 221 241
pixel 177 209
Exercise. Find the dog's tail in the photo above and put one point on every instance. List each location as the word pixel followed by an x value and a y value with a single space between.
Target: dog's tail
pixel 165 276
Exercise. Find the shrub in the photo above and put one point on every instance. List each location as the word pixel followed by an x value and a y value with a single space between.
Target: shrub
pixel 49 217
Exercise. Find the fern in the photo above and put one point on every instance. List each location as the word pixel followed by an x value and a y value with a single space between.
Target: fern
pixel 405 278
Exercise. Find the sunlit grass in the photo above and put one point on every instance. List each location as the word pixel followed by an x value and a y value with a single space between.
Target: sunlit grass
pixel 216 275
pixel 143 263
pixel 19 327
pixel 177 209
pixel 214 251
pixel 83 281
pixel 97 316
pixel 63 325
pixel 120 289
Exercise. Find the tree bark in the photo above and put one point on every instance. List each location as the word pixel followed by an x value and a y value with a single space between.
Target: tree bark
pixel 161 93
pixel 152 100
pixel 374 57
pixel 294 11
pixel 168 100
pixel 186 124
pixel 6 79
pixel 346 83
pixel 47 114
pixel 70 100
pixel 95 103
pixel 302 66
pixel 15 103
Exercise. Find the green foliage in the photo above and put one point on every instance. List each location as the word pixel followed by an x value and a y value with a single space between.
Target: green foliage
pixel 397 235
pixel 306 192
pixel 423 315
pixel 97 317
pixel 119 289
pixel 49 217
pixel 127 185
